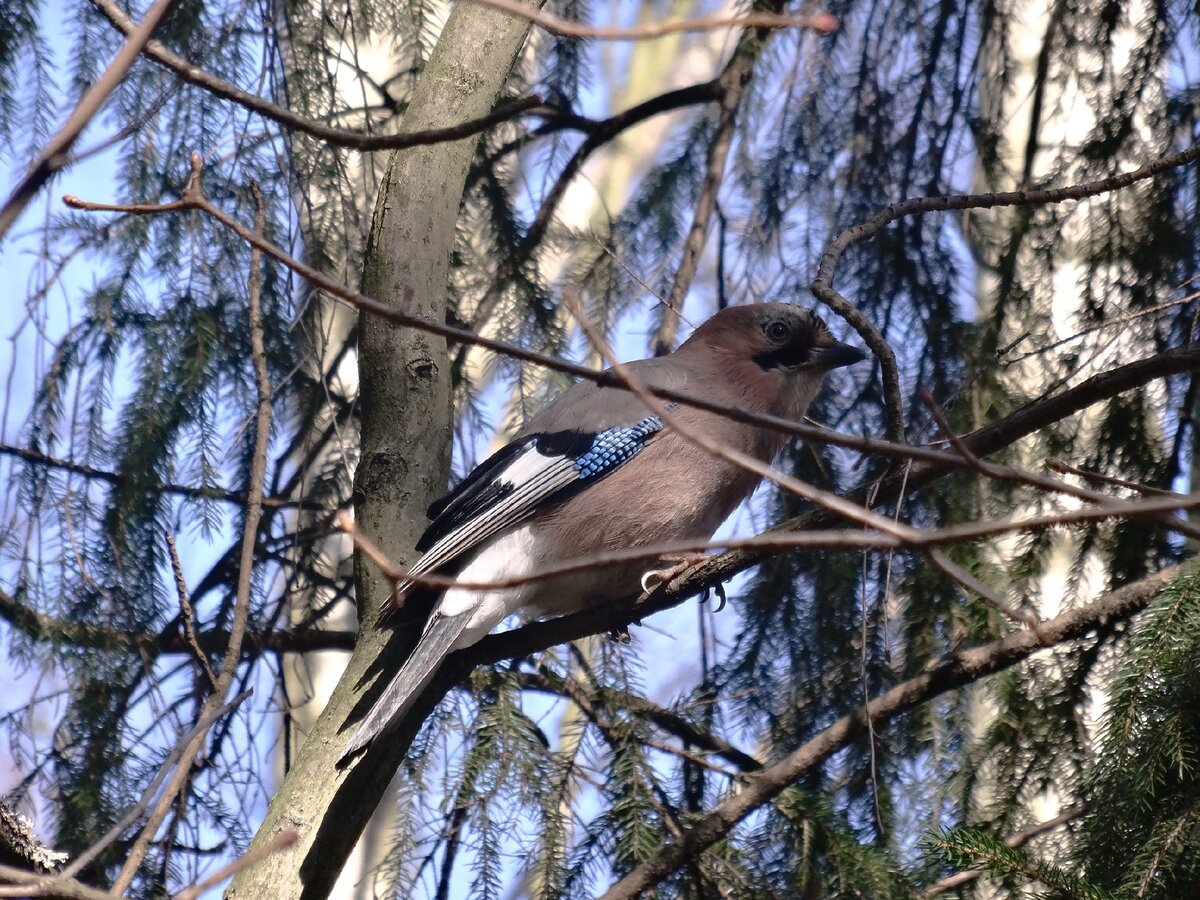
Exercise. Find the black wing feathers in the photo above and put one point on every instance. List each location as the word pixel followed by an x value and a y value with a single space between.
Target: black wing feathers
pixel 479 490
pixel 485 485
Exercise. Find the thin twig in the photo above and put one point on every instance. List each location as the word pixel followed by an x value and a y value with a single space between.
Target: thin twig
pixel 241 607
pixel 390 570
pixel 250 858
pixel 1000 472
pixel 1008 473
pixel 822 286
pixel 1057 465
pixel 954 670
pixel 1167 363
pixel 969 582
pixel 864 657
pixel 352 140
pixel 783 539
pixel 822 23
pixel 185 612
pixel 53 155
pixel 1083 332
pixel 601 133
pixel 551 682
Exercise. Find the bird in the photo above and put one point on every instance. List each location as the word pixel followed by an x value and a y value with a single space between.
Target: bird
pixel 597 469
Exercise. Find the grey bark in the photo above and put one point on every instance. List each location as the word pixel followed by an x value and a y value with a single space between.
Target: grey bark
pixel 406 434
pixel 334 192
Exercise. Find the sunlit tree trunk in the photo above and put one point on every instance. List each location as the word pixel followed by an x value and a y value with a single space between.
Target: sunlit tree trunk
pixel 334 193
pixel 405 434
pixel 1053 81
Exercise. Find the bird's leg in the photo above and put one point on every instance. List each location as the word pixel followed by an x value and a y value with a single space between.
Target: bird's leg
pixel 656 578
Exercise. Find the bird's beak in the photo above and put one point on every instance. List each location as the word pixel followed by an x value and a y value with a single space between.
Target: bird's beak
pixel 835 355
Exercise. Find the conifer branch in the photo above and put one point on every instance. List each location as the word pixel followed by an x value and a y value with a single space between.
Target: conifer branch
pixel 1016 841
pixel 54 155
pixel 955 670
pixel 40 626
pixel 183 490
pixel 550 682
pixel 822 286
pixel 339 137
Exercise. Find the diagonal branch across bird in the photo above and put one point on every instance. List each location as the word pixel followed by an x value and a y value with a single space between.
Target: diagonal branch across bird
pixel 597 470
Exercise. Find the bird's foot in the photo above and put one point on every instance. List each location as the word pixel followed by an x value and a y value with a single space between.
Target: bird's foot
pixel 656 578
pixel 620 635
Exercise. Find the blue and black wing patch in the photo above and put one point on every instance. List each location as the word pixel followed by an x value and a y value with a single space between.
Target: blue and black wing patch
pixel 517 481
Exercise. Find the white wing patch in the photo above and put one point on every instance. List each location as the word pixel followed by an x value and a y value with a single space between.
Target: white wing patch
pixel 533 477
pixel 512 555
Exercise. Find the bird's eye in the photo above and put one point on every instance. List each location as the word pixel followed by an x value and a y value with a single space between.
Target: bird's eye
pixel 776 331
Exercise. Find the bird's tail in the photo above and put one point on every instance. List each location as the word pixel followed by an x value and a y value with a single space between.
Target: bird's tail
pixel 416 673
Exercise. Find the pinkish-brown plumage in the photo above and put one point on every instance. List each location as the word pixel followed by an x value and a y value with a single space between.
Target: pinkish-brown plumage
pixel 533 505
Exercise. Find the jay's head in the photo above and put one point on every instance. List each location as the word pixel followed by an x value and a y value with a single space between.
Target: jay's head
pixel 780 338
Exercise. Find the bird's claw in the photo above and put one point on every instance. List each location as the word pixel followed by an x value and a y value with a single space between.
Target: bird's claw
pixel 620 635
pixel 656 578
pixel 719 590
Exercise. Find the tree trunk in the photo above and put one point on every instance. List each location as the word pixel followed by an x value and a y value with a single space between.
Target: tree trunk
pixel 404 380
pixel 334 193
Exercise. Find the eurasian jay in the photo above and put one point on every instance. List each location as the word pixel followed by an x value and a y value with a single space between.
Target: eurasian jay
pixel 597 470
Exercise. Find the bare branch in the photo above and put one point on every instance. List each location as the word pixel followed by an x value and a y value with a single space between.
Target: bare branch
pixel 1020 476
pixel 352 140
pixel 987 440
pixel 135 812
pixel 551 682
pixel 241 608
pixel 186 617
pixel 599 134
pixel 822 286
pixel 732 82
pixel 954 670
pixel 822 23
pixel 53 155
pixel 967 581
pixel 25 884
pixel 1058 465
pixel 249 858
